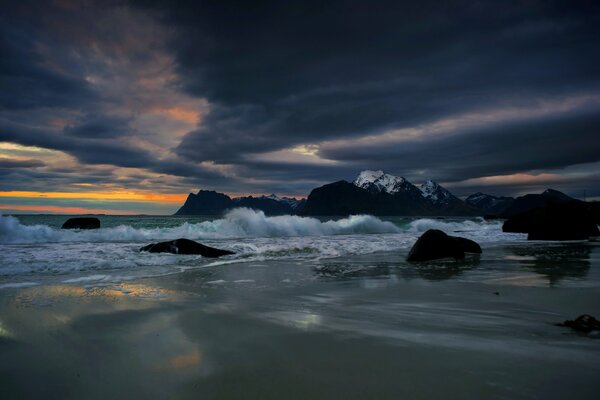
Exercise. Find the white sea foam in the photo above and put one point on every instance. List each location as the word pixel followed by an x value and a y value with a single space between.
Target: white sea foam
pixel 111 254
pixel 12 231
pixel 91 278
pixel 478 229
pixel 238 223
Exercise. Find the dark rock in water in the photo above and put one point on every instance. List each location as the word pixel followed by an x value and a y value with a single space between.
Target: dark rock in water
pixel 468 245
pixel 556 221
pixel 82 223
pixel 594 207
pixel 435 244
pixel 185 246
pixel 584 323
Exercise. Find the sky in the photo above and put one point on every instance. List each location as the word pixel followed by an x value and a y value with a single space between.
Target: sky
pixel 125 107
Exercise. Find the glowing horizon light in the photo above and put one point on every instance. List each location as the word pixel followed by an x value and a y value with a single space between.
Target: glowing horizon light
pixel 107 196
pixel 67 210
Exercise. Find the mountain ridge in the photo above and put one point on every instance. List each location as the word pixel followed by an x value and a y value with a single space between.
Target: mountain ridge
pixel 210 202
pixel 372 192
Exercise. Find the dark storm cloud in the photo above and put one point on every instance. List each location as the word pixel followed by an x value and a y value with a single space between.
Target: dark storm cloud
pixel 25 81
pixel 91 151
pixel 99 126
pixel 282 73
pixel 98 151
pixel 551 143
pixel 576 187
pixel 82 78
pixel 37 180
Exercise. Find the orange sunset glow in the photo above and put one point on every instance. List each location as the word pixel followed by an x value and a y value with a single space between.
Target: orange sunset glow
pixel 65 210
pixel 118 195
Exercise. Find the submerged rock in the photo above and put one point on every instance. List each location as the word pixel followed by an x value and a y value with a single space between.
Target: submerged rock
pixel 185 246
pixel 557 221
pixel 81 223
pixel 584 323
pixel 435 244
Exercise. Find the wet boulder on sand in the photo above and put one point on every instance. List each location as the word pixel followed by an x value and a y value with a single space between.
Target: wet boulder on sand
pixel 82 223
pixel 435 244
pixel 185 246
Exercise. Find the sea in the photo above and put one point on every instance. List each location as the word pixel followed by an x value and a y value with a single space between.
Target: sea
pixel 306 308
pixel 35 251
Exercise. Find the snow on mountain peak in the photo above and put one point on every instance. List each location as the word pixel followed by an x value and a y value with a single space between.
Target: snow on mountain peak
pixel 368 176
pixel 479 196
pixel 380 181
pixel 434 192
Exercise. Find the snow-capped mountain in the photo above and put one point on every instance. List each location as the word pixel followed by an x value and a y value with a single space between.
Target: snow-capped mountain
pixel 378 193
pixel 430 198
pixel 379 181
pixel 436 194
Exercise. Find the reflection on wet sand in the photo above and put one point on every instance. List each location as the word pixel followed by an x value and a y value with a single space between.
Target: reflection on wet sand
pixel 554 262
pixel 186 360
pixel 431 271
pixel 352 328
pixel 443 270
pixel 346 270
pixel 114 292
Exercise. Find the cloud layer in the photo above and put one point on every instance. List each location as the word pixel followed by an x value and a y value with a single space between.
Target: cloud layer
pixel 284 96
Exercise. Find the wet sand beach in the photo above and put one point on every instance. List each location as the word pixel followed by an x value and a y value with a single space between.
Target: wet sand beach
pixel 366 326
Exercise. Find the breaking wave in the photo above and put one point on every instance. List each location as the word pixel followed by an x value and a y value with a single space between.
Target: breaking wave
pixel 478 225
pixel 238 223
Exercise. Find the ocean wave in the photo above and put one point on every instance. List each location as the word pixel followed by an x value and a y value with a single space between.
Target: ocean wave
pixel 477 229
pixel 475 225
pixel 237 223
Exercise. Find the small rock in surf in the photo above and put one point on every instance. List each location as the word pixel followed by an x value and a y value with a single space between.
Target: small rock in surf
pixel 82 223
pixel 185 246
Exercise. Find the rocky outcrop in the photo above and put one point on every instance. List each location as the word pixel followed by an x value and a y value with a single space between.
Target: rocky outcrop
pixel 532 201
pixel 555 221
pixel 435 244
pixel 185 246
pixel 205 202
pixel 208 202
pixel 345 198
pixel 269 206
pixel 81 223
pixel 442 202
